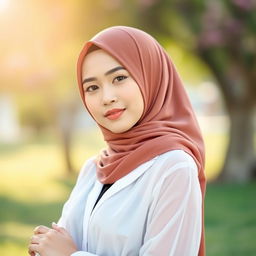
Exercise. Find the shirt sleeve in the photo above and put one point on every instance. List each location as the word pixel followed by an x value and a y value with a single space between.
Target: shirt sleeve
pixel 175 216
pixel 62 220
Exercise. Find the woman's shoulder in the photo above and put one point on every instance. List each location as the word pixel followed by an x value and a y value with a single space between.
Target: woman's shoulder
pixel 88 169
pixel 174 157
pixel 174 168
pixel 174 161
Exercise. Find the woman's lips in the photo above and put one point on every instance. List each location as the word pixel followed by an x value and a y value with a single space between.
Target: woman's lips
pixel 114 114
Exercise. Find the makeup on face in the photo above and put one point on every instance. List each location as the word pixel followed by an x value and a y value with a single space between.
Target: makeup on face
pixel 112 96
pixel 114 113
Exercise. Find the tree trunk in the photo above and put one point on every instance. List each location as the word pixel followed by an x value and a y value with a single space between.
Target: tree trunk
pixel 239 97
pixel 66 116
pixel 239 163
pixel 67 140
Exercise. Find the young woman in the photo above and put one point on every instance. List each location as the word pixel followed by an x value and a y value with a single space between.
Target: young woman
pixel 143 195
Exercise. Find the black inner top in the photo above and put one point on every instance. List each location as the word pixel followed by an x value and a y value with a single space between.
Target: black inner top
pixel 104 189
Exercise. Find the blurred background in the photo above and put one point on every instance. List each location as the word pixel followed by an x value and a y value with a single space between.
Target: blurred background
pixel 46 135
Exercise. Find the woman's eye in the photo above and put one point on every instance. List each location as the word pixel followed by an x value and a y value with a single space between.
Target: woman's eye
pixel 91 88
pixel 120 78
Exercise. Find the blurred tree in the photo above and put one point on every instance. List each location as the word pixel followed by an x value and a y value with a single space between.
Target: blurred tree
pixel 39 46
pixel 223 34
pixel 66 114
pixel 35 113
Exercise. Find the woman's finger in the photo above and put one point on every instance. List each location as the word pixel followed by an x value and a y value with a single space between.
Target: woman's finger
pixel 58 228
pixel 36 238
pixel 32 249
pixel 41 230
pixel 31 253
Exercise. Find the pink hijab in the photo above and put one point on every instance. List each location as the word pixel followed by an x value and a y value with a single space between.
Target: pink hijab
pixel 168 121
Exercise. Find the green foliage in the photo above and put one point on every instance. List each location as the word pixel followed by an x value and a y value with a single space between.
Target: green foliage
pixel 36 112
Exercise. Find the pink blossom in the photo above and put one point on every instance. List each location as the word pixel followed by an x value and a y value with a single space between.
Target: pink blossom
pixel 244 4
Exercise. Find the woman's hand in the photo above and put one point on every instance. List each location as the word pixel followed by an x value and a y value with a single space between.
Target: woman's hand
pixel 55 241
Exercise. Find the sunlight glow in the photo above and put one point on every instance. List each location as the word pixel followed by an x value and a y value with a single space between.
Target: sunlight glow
pixel 4 5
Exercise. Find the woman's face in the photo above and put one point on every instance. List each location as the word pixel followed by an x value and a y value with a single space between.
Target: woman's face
pixel 112 96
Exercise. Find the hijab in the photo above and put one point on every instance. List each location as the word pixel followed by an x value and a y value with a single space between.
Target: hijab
pixel 168 121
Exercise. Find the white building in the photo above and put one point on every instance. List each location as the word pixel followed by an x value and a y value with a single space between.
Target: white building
pixel 9 125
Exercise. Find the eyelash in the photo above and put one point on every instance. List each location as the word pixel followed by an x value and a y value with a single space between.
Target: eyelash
pixel 88 89
pixel 92 88
pixel 123 78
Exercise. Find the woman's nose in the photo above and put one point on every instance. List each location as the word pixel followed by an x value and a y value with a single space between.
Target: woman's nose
pixel 109 96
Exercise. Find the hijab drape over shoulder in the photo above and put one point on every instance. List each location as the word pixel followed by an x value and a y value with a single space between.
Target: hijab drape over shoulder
pixel 168 121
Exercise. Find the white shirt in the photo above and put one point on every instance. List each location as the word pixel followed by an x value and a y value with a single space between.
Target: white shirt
pixel 155 210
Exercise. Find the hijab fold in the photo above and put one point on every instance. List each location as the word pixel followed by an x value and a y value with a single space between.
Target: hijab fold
pixel 168 121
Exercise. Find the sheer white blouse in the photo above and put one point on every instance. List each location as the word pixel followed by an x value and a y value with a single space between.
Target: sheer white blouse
pixel 154 210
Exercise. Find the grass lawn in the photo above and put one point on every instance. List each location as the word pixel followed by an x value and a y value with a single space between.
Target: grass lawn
pixel 33 188
pixel 230 218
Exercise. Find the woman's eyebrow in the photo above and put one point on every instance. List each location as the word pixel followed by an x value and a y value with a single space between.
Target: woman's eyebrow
pixel 113 70
pixel 86 80
pixel 90 79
